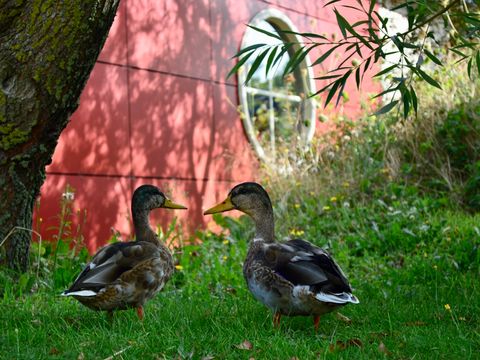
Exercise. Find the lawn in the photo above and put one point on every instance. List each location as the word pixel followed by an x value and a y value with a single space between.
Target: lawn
pixel 417 279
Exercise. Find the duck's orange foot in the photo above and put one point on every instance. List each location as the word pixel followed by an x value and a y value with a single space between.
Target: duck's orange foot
pixel 316 322
pixel 276 319
pixel 140 312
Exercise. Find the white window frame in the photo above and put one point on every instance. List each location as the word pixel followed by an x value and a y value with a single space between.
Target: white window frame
pixel 279 20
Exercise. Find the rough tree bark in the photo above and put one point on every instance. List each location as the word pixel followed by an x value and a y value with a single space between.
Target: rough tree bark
pixel 47 51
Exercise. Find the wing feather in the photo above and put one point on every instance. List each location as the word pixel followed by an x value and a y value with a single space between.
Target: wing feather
pixel 302 263
pixel 110 263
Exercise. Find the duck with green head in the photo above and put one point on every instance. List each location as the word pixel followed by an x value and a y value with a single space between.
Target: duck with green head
pixel 293 277
pixel 126 274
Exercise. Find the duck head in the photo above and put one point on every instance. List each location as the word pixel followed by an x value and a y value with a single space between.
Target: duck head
pixel 149 197
pixel 248 197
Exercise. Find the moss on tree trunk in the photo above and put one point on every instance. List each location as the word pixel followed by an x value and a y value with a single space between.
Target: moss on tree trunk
pixel 47 50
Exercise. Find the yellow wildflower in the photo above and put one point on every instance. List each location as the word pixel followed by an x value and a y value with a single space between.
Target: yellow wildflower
pixel 225 242
pixel 346 184
pixel 333 199
pixel 179 267
pixel 326 208
pixel 296 232
pixel 225 258
pixel 447 307
pixel 297 206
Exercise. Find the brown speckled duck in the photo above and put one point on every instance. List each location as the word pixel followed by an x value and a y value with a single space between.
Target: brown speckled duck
pixel 293 277
pixel 126 274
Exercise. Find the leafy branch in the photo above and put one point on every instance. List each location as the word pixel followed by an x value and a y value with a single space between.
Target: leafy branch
pixel 370 41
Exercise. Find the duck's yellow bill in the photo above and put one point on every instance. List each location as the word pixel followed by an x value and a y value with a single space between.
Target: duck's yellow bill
pixel 223 206
pixel 169 204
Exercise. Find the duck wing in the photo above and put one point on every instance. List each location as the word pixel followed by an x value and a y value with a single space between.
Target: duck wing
pixel 108 265
pixel 304 264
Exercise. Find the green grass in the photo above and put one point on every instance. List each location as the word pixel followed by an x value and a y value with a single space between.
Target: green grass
pixel 407 316
pixel 403 281
pixel 378 196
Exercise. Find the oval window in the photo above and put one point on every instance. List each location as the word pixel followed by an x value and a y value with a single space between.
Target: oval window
pixel 277 112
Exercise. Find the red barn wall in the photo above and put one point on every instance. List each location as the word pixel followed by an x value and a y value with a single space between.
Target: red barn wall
pixel 158 109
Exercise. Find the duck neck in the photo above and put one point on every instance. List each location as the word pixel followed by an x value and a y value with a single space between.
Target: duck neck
pixel 143 230
pixel 264 226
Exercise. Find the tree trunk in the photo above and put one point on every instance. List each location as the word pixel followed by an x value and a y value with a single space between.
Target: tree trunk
pixel 47 50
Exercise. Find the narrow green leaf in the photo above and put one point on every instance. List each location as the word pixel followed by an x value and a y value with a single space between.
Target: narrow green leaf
pixel 386 70
pixel 406 103
pixel 302 56
pixel 457 52
pixel 339 69
pixel 325 55
pixel 433 57
pixel 270 60
pixel 400 6
pixel 372 6
pixel 325 88
pixel 365 66
pixel 380 54
pixel 384 21
pixel 293 59
pixel 345 25
pixel 466 44
pixel 351 46
pixel 268 33
pixel 351 7
pixel 414 99
pixel 304 34
pixel 358 51
pixel 357 77
pixel 478 62
pixel 385 92
pixel 340 91
pixel 332 91
pixel 427 78
pixel 471 19
pixel 385 109
pixel 397 43
pixel 342 23
pixel 469 67
pixel 348 57
pixel 331 2
pixel 409 45
pixel 238 65
pixel 358 23
pixel 326 77
pixel 256 65
pixel 431 35
pixel 281 53
pixel 248 48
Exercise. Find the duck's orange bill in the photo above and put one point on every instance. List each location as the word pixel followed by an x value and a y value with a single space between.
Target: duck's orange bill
pixel 221 207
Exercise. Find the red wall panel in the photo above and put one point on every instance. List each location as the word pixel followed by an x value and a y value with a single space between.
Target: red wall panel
pixel 106 199
pixel 171 36
pixel 158 109
pixel 172 128
pixel 115 48
pixel 96 140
